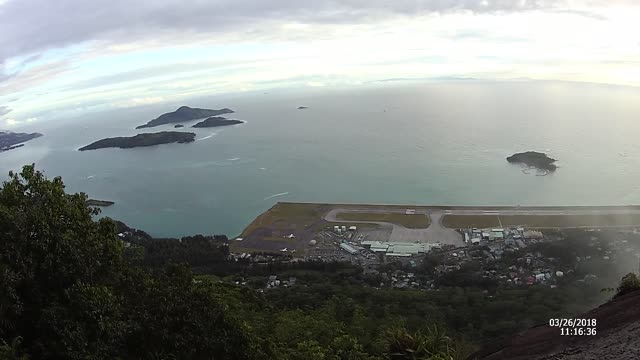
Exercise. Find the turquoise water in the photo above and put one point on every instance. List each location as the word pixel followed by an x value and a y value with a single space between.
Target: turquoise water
pixel 404 143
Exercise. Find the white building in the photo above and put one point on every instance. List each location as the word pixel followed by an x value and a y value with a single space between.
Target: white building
pixel 348 248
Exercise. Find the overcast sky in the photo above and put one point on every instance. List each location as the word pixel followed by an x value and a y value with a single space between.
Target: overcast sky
pixel 72 56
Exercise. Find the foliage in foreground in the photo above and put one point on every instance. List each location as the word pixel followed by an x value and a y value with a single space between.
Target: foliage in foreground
pixel 69 289
pixel 629 283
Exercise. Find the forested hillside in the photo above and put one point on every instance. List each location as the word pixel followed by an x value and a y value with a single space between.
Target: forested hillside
pixel 72 287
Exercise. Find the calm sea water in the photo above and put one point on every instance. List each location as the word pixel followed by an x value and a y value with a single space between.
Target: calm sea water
pixel 435 143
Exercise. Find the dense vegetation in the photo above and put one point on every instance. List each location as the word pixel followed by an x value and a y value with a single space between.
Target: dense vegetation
pixel 70 288
pixel 148 139
pixel 629 283
pixel 75 288
pixel 8 139
pixel 215 121
pixel 535 159
pixel 182 114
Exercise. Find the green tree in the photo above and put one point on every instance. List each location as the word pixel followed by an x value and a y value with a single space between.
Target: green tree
pixel 434 344
pixel 347 347
pixel 67 291
pixel 629 283
pixel 173 315
pixel 12 351
pixel 49 246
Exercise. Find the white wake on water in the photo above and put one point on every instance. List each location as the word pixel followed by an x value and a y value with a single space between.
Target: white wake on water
pixel 272 196
pixel 208 136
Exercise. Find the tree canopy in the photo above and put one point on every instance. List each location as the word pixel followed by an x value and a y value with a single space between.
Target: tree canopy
pixel 73 287
pixel 67 291
pixel 70 288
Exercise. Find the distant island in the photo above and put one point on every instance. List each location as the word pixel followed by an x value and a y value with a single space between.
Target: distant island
pixel 150 139
pixel 94 202
pixel 178 126
pixel 184 113
pixel 10 140
pixel 534 159
pixel 7 148
pixel 216 121
pixel 302 107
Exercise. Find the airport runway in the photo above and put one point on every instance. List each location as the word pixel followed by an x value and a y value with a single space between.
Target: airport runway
pixel 542 212
pixel 437 232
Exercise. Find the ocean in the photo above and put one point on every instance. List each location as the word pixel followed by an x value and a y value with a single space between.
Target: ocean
pixel 437 143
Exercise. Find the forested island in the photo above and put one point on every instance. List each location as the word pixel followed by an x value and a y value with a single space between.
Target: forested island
pixel 94 202
pixel 534 159
pixel 10 140
pixel 215 121
pixel 147 139
pixel 184 113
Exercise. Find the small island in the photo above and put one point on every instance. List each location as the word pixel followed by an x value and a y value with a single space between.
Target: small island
pixel 10 140
pixel 534 159
pixel 216 121
pixel 149 139
pixel 178 126
pixel 184 113
pixel 94 202
pixel 302 107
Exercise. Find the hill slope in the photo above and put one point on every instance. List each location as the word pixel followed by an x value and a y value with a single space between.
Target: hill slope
pixel 147 139
pixel 618 326
pixel 184 113
pixel 9 139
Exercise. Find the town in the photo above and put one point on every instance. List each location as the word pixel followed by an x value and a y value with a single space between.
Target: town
pixel 514 255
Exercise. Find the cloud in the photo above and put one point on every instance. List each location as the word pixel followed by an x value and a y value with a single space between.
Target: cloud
pixel 32 26
pixel 140 101
pixel 4 110
pixel 587 14
pixel 315 84
pixel 78 54
pixel 33 76
pixel 146 73
pixel 6 75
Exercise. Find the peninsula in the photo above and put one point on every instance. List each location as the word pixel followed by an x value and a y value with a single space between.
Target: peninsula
pixel 10 140
pixel 534 159
pixel 94 202
pixel 148 139
pixel 184 113
pixel 216 121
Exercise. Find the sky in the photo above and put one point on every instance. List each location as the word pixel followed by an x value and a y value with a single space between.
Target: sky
pixel 68 57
